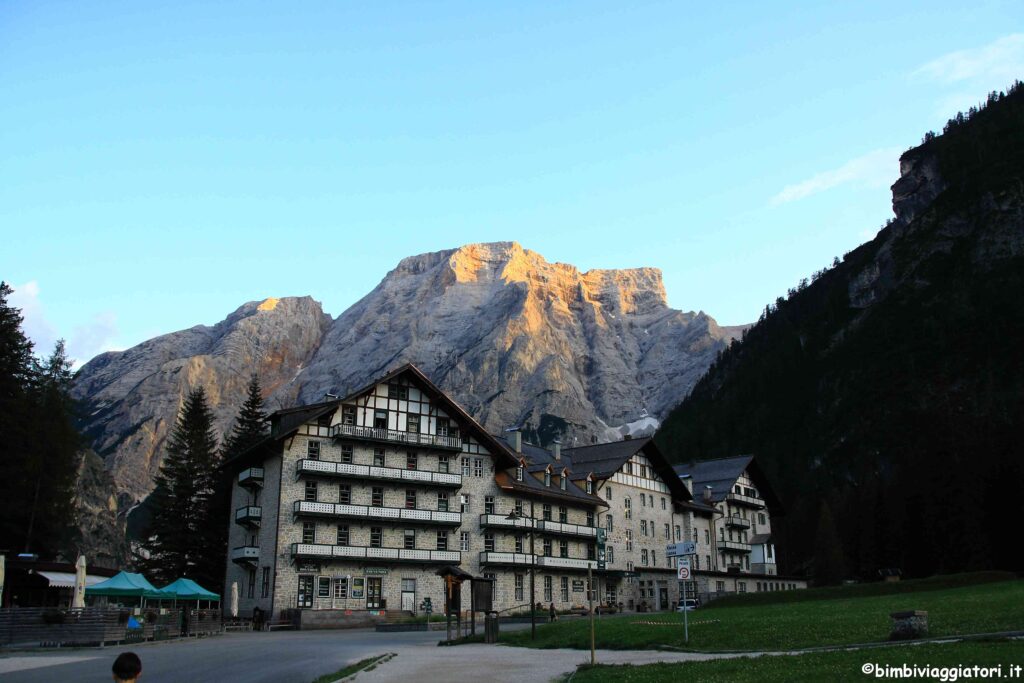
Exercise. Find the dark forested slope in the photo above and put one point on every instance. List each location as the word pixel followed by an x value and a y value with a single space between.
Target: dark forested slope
pixel 891 388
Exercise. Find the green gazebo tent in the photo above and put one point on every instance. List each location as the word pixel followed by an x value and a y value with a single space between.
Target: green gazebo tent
pixel 187 589
pixel 127 585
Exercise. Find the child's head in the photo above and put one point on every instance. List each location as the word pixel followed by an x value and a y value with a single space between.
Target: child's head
pixel 127 667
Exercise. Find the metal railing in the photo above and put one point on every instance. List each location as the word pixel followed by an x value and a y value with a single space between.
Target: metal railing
pixel 734 546
pixel 245 553
pixel 567 529
pixel 526 560
pixel 737 522
pixel 395 436
pixel 749 501
pixel 344 469
pixel 249 514
pixel 252 476
pixel 314 550
pixel 305 507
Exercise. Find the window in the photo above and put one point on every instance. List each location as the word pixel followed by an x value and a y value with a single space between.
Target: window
pixel 547 547
pixel 564 585
pixel 380 419
pixel 465 465
pixel 707 537
pixel 398 391
pixel 412 424
pixel 519 473
pixel 679 533
pixel 591 551
pixel 410 539
pixel 546 512
pixel 654 558
pixel 376 536
pixel 738 489
pixel 323 587
pixel 442 540
pixel 629 468
pixel 643 526
pixel 590 487
pixel 629 540
pixel 313 450
pixel 629 565
pixel 519 506
pixel 478 467
pixel 519 543
pixel 609 523
pixel 309 532
pixel 348 415
pixel 265 583
pixel 344 494
pixel 489 541
pixel 628 505
pixel 563 514
pixel 488 505
pixel 696 561
pixel 410 461
pixel 378 457
pixel 609 554
pixel 746 563
pixel 547 589
pixel 463 502
pixel 563 481
pixel 442 501
pixel 547 479
pixel 563 548
pixel 341 588
pixel 442 426
pixel 608 492
pixel 519 587
pixel 720 585
pixel 464 541
pixel 311 487
pixel 252 583
pixel 643 556
pixel 346 453
pixel 410 499
pixel 343 534
pixel 304 595
pixel 643 501
pixel 377 496
pixel 442 463
pixel 761 519
pixel 668 533
pixel 590 518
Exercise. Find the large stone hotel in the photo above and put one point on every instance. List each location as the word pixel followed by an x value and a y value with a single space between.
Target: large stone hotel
pixel 351 506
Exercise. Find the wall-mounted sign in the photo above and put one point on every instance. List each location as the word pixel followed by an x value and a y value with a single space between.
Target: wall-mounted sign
pixel 376 571
pixel 577 586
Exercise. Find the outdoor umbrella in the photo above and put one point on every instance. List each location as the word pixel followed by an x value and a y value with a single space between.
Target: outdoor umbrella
pixel 234 599
pixel 78 601
pixel 3 561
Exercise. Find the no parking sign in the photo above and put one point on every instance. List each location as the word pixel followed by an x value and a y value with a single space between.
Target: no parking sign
pixel 683 570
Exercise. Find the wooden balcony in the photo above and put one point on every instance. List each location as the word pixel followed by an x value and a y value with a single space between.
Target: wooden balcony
pixel 737 522
pixel 372 513
pixel 448 443
pixel 326 468
pixel 246 554
pixel 249 515
pixel 342 552
pixel 746 501
pixel 251 478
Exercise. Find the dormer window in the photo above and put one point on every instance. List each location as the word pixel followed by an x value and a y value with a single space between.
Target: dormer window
pixel 562 481
pixel 590 486
pixel 547 478
pixel 519 472
pixel 348 415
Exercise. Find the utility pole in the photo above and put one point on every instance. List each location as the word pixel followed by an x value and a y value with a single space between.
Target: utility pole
pixel 590 597
pixel 533 564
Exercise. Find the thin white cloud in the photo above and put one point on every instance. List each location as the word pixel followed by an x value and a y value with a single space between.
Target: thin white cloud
pixel 86 341
pixel 1001 60
pixel 877 168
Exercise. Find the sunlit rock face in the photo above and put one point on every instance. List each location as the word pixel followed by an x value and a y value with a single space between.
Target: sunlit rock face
pixel 586 356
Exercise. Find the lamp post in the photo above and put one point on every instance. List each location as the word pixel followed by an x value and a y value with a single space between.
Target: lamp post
pixel 513 516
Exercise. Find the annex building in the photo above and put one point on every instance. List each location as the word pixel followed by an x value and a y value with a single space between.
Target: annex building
pixel 350 507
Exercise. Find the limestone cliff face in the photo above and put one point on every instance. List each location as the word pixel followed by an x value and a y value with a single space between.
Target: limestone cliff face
pixel 516 340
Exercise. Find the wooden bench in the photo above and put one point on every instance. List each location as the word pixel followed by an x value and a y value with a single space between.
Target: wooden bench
pixel 279 624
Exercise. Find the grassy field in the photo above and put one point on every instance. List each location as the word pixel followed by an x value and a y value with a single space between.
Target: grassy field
pixel 984 608
pixel 817 666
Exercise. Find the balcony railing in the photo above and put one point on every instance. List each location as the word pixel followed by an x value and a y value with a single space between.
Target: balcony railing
pixel 748 501
pixel 246 554
pixel 251 477
pixel 452 443
pixel 326 468
pixel 375 513
pixel 249 515
pixel 524 523
pixel 734 547
pixel 737 522
pixel 318 550
pixel 566 529
pixel 526 560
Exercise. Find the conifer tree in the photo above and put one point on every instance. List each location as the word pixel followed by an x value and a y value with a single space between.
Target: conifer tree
pixel 250 424
pixel 179 534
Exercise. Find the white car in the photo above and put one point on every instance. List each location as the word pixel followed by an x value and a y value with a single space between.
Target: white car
pixel 688 605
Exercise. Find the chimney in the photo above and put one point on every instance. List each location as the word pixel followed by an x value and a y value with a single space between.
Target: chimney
pixel 517 441
pixel 707 495
pixel 557 450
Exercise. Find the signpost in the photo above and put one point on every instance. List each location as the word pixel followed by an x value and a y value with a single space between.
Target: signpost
pixel 679 549
pixel 683 574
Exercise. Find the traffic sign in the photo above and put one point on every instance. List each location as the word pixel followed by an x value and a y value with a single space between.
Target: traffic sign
pixel 683 570
pixel 684 548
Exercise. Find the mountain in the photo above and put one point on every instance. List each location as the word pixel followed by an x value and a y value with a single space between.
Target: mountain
pixel 890 389
pixel 516 340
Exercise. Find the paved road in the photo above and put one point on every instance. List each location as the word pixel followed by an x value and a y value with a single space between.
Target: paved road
pixel 299 657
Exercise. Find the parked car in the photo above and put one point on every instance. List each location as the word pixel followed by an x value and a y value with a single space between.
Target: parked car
pixel 688 605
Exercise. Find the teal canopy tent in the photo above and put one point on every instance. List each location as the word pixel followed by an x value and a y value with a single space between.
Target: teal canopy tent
pixel 187 589
pixel 127 585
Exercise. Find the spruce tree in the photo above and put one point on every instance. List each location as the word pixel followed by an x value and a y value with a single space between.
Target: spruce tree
pixel 178 544
pixel 250 425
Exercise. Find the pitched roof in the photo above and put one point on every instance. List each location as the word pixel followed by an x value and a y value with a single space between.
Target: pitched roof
pixel 538 460
pixel 721 475
pixel 605 459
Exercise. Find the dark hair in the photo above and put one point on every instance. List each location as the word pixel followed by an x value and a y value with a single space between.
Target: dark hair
pixel 127 666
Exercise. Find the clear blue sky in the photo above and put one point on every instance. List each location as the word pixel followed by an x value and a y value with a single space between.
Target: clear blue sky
pixel 163 162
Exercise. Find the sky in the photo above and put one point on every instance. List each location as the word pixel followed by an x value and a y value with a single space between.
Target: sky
pixel 162 163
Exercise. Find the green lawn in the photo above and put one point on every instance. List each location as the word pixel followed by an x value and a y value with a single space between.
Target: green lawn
pixel 986 608
pixel 818 666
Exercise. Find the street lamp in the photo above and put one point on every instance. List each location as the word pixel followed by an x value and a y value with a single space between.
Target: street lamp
pixel 513 516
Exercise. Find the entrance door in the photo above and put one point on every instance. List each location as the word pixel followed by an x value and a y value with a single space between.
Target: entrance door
pixel 373 589
pixel 662 595
pixel 408 595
